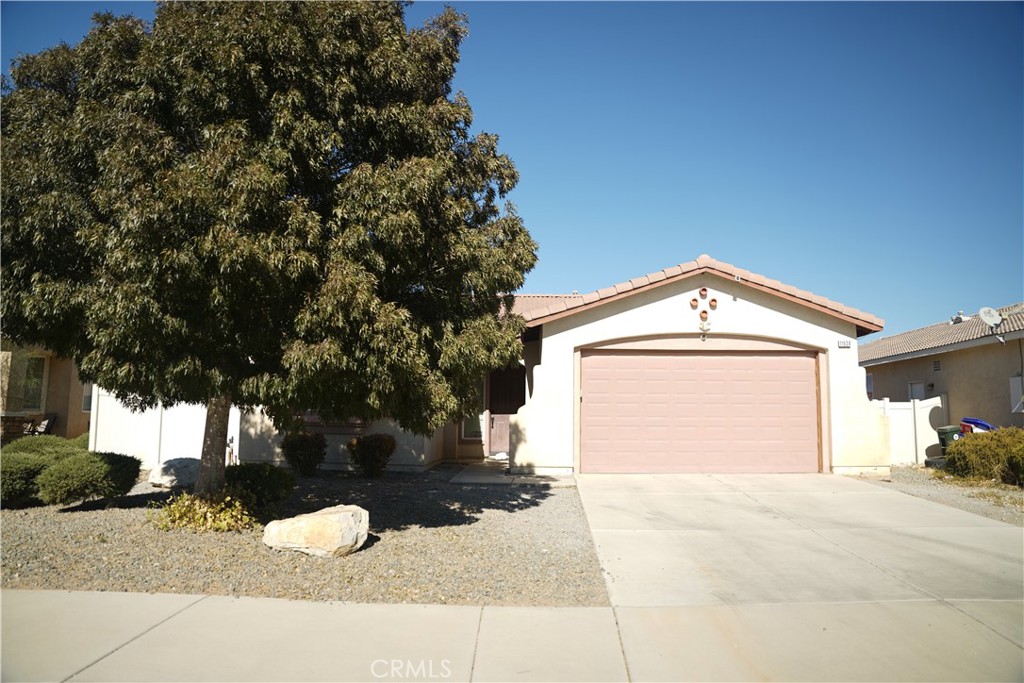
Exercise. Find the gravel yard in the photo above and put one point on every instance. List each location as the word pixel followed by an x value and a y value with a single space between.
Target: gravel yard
pixel 992 500
pixel 430 542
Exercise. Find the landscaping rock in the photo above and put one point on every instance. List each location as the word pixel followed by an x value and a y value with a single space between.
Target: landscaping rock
pixel 177 472
pixel 331 532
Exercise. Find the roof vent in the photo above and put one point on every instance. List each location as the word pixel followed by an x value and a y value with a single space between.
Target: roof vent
pixel 958 318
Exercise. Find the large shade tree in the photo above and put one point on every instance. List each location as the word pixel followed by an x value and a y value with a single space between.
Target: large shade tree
pixel 274 204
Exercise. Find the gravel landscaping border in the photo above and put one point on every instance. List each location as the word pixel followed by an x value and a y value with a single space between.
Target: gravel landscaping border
pixel 988 499
pixel 430 542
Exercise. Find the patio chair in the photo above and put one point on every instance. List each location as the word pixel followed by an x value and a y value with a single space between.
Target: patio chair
pixel 44 426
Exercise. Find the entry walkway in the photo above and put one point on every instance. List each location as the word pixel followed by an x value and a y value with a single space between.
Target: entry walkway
pixel 488 472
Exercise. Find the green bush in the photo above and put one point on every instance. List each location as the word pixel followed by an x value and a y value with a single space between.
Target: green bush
pixel 1014 471
pixel 82 441
pixel 998 454
pixel 261 486
pixel 370 453
pixel 304 451
pixel 219 512
pixel 23 460
pixel 46 444
pixel 87 475
pixel 18 473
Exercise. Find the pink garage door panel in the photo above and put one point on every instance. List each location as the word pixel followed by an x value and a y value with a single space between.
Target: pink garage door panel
pixel 690 412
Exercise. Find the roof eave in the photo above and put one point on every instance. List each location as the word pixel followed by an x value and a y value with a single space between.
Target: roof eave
pixel 945 348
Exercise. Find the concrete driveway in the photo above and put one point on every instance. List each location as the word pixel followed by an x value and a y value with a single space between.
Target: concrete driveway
pixel 804 577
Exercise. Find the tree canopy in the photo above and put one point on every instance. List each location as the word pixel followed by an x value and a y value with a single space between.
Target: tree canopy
pixel 276 204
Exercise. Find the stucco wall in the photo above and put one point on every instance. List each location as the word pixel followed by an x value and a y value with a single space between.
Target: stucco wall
pixel 545 430
pixel 976 380
pixel 160 434
pixel 64 397
pixel 62 394
pixel 260 442
pixel 460 450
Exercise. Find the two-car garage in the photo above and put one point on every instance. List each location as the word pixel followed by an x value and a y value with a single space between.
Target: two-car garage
pixel 698 368
pixel 646 411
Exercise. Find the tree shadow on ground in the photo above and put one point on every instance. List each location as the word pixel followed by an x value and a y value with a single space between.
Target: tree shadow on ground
pixel 400 500
pixel 125 502
pixel 396 501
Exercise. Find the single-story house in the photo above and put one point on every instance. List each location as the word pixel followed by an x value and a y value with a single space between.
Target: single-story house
pixel 701 367
pixel 40 390
pixel 976 366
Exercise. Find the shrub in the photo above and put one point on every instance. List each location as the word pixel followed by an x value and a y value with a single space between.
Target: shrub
pixel 87 475
pixel 304 451
pixel 81 441
pixel 218 512
pixel 998 454
pixel 23 460
pixel 370 453
pixel 18 472
pixel 261 486
pixel 46 444
pixel 1014 472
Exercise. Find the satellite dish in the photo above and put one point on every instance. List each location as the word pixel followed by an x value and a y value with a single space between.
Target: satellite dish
pixel 990 316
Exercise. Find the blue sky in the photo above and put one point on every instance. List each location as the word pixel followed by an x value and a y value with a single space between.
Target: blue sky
pixel 872 153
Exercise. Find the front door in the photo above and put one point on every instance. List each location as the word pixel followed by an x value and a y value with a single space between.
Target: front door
pixel 499 441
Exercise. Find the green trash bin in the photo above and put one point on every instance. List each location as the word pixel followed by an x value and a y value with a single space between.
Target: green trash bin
pixel 947 435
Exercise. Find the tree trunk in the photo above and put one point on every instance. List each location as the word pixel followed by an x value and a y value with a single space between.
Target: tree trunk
pixel 215 443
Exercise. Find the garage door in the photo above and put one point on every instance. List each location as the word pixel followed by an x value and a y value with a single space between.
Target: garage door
pixel 698 412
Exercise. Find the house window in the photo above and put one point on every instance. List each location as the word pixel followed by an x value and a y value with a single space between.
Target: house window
pixel 871 386
pixel 314 423
pixel 472 428
pixel 1017 394
pixel 87 397
pixel 33 394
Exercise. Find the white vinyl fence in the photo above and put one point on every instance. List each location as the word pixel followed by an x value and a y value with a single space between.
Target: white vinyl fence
pixel 913 428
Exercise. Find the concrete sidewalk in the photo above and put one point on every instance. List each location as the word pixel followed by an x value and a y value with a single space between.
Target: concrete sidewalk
pixel 79 636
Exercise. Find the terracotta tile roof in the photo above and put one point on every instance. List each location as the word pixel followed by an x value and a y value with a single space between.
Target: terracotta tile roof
pixel 538 309
pixel 936 338
pixel 526 304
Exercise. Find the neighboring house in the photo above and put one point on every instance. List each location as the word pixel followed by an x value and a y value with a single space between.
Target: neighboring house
pixel 35 384
pixel 976 367
pixel 702 367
